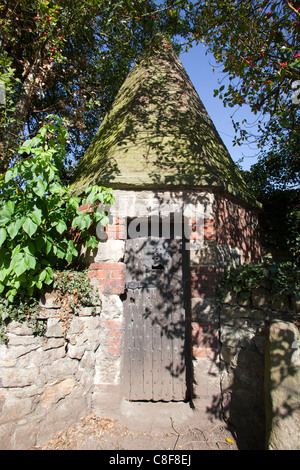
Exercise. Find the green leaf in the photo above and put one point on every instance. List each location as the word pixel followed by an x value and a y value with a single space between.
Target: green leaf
pixel 36 215
pixel 3 235
pixel 9 176
pixel 30 261
pixel 14 227
pixel 4 219
pixel 30 227
pixel 20 266
pixel 9 208
pixel 40 188
pixel 42 275
pixel 59 251
pixel 72 248
pixel 61 227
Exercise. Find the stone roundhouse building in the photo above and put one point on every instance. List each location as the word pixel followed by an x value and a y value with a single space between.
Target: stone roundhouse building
pixel 182 214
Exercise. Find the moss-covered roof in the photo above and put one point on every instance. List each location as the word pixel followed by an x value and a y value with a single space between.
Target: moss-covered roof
pixel 159 135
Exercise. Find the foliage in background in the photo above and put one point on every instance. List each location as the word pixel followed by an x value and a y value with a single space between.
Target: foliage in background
pixel 256 45
pixel 279 219
pixel 70 57
pixel 39 215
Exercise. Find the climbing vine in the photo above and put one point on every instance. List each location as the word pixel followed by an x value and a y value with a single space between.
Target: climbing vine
pixel 277 279
pixel 72 290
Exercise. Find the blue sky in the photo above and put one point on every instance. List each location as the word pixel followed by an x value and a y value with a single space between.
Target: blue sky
pixel 199 68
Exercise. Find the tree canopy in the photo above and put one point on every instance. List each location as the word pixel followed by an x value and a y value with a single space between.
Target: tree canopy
pixel 256 44
pixel 70 58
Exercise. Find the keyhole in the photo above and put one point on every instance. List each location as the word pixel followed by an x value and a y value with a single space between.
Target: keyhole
pixel 158 266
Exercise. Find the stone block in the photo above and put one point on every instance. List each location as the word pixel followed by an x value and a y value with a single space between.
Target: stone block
pixel 52 343
pixel 110 250
pixel 283 385
pixel 204 309
pixel 55 392
pixel 54 328
pixel 18 377
pixel 259 298
pixel 50 300
pixel 20 329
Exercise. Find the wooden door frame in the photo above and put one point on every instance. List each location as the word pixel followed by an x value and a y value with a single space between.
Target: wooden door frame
pixel 187 320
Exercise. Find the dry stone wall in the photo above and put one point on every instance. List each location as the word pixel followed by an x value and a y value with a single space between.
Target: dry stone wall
pixel 252 392
pixel 283 387
pixel 46 382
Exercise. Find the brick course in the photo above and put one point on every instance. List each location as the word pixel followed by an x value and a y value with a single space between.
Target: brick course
pixel 110 277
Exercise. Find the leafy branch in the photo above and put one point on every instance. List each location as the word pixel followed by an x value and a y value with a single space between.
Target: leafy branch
pixel 38 213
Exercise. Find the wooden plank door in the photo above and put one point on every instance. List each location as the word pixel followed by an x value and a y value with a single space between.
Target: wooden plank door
pixel 154 355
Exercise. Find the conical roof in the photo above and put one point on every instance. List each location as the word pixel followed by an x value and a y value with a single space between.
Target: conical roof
pixel 159 135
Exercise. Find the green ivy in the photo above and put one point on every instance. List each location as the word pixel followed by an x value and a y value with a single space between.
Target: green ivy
pixel 75 287
pixel 20 310
pixel 275 278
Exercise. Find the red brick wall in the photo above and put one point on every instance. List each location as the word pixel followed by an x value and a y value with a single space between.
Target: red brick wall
pixel 117 230
pixel 237 226
pixel 231 225
pixel 110 277
pixel 112 341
